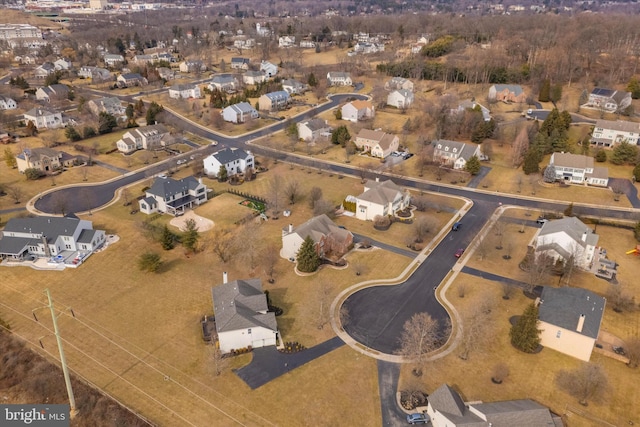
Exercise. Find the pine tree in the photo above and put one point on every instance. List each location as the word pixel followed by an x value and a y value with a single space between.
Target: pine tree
pixel 550 174
pixel 634 88
pixel 531 162
pixel 149 262
pixel 106 123
pixel 10 159
pixel 525 335
pixel 190 237
pixel 624 153
pixel 473 165
pixel 168 239
pixel 72 134
pixel 222 173
pixel 307 257
pixel 312 80
pixel 545 91
pixel 636 172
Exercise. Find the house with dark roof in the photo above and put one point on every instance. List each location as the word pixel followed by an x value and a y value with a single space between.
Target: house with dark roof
pixel 94 73
pixel 43 71
pixel 330 240
pixel 242 315
pixel 273 101
pixel 380 198
pixel 379 144
pixel 578 169
pixel 570 320
pixel 224 83
pixel 565 239
pixel 44 119
pixel 43 159
pixel 454 154
pixel 56 92
pixel 235 160
pixel 313 129
pixel 253 77
pixel 173 196
pixel 609 100
pixel 239 63
pixel 131 79
pixel 111 105
pixel 144 138
pixel 239 113
pixel 447 409
pixel 608 133
pixel 507 93
pixel 66 240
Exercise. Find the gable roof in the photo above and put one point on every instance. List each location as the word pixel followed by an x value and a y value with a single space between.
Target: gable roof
pixel 375 135
pixel 464 150
pixel 447 401
pixel 240 60
pixel 182 87
pixel 359 104
pixel 381 192
pixel 39 152
pixel 572 160
pixel 521 413
pixel 619 125
pixel 405 93
pixel 516 89
pixel 600 91
pixel 227 155
pixel 168 187
pixel 320 226
pixel 278 95
pixel 573 227
pixel 50 226
pixel 39 112
pixel 223 79
pixel 242 107
pixel 315 124
pixel 564 306
pixel 338 75
pixel 238 305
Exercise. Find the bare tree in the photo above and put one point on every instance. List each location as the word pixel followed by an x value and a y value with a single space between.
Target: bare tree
pixel 247 242
pixel 270 257
pixel 519 147
pixel 126 197
pixel 500 372
pixel 323 206
pixel 421 335
pixel 276 191
pixel 15 192
pixel 588 382
pixel 359 267
pixel 323 301
pixel 421 228
pixel 420 202
pixel 60 204
pixel 314 196
pixel 632 350
pixel 482 248
pixel 499 228
pixel 292 192
pixel 345 317
pixel 223 244
pixel 219 362
pixel 475 328
pixel 507 290
pixel 538 269
pixel 619 299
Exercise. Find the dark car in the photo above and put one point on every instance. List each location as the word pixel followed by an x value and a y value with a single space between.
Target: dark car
pixel 456 226
pixel 542 220
pixel 618 350
pixel 417 419
pixel 459 252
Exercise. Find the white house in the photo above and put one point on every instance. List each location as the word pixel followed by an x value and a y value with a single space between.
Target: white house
pixel 62 64
pixel 454 154
pixel 239 113
pixel 253 77
pixel 311 130
pixel 239 63
pixel 243 42
pixel 401 99
pixel 565 239
pixel 43 71
pixel 269 69
pixel 44 119
pixel 56 92
pixel 366 48
pixel 192 66
pixel 173 196
pixel 379 144
pixel 307 44
pixel 570 320
pixel 263 30
pixel 94 73
pixel 607 133
pixel 67 240
pixel 330 240
pixel 242 315
pixel 131 79
pixel 339 78
pixel 110 105
pixel 446 408
pixel 273 101
pixel 235 160
pixel 610 100
pixel 144 138
pixel 381 198
pixel 224 83
pixel 397 83
pixel 294 87
pixel 184 91
pixel 142 60
pixel 113 60
pixel 355 111
pixel 286 41
pixel 578 169
pixel 7 103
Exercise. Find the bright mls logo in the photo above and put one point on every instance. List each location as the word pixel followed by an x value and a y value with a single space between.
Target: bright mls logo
pixel 34 415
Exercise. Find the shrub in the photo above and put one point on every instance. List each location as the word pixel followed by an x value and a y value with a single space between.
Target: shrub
pixel 381 222
pixel 33 174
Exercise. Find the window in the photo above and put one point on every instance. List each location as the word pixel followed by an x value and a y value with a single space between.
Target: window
pixel 558 334
pixel 249 331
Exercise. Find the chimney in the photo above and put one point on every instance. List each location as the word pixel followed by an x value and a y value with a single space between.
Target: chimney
pixel 200 180
pixel 584 236
pixel 580 323
pixel 290 228
pixel 377 179
pixel 224 277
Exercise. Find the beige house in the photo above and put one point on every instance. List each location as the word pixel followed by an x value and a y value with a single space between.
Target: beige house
pixel 397 83
pixel 608 133
pixel 144 138
pixel 380 198
pixel 330 240
pixel 507 93
pixel 355 111
pixel 570 320
pixel 379 144
pixel 42 158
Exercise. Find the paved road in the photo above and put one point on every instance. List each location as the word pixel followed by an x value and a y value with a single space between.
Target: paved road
pixel 357 238
pixel 575 118
pixel 388 374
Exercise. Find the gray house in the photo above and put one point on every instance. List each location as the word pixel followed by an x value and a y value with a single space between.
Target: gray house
pixel 173 196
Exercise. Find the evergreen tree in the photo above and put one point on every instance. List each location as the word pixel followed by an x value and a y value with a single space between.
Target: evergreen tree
pixel 9 159
pixel 152 112
pixel 531 162
pixel 624 153
pixel 473 165
pixel 550 174
pixel 545 91
pixel 569 210
pixel 634 88
pixel 636 172
pixel 307 257
pixel 338 113
pixel 340 136
pixel 584 97
pixel 190 237
pixel 312 80
pixel 88 132
pixel 222 173
pixel 72 134
pixel 150 262
pixel 106 123
pixel 525 335
pixel 168 239
pixel 601 156
pixel 559 141
pixel 556 93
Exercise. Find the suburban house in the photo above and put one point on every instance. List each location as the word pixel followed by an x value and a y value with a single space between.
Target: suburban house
pixel 192 66
pixel 307 44
pixel 339 78
pixel 608 99
pixel 242 315
pixel 380 198
pixel 507 93
pixel 607 133
pixel 243 42
pixel 470 104
pixel 446 408
pixel 113 60
pixel 144 138
pixel 235 160
pixel 239 63
pixel 253 77
pixel 131 79
pixel 274 100
pixel 263 30
pixel 365 48
pixel 269 69
pixel 42 158
pixel 142 60
pixel 173 196
pixel 7 103
pixel 401 99
pixel 94 73
pixel 239 113
pixel 379 144
pixel 311 130
pixel 331 241
pixel 397 83
pixel 55 92
pixel 166 73
pixel 454 154
pixel 43 71
pixel 565 239
pixel 43 119
pixel 184 91
pixel 67 240
pixel 110 105
pixel 62 64
pixel 294 87
pixel 570 320
pixel 286 41
pixel 224 83
pixel 355 111
pixel 578 169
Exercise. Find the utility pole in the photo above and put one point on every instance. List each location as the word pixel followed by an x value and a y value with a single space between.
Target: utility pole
pixel 63 361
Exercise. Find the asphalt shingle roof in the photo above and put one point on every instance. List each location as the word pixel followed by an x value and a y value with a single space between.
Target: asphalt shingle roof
pixel 381 193
pixel 563 307
pixel 241 304
pixel 227 155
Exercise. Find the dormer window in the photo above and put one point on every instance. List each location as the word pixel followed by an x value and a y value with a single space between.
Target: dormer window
pixel 455 150
pixel 446 148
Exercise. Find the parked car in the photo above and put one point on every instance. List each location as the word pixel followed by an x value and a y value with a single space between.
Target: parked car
pixel 181 162
pixel 542 220
pixel 456 226
pixel 459 252
pixel 417 419
pixel 618 350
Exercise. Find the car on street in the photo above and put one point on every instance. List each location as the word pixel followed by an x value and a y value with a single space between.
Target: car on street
pixel 618 350
pixel 417 419
pixel 456 226
pixel 181 162
pixel 459 253
pixel 542 220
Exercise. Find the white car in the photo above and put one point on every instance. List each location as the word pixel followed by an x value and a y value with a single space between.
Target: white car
pixel 181 162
